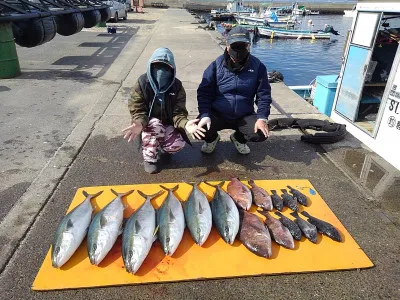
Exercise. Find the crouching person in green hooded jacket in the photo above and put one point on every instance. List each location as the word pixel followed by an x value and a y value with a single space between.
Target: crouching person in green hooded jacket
pixel 158 109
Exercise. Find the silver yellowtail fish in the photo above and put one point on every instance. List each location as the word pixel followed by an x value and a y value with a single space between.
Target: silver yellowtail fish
pixel 105 228
pixel 71 231
pixel 198 215
pixel 225 214
pixel 138 234
pixel 171 222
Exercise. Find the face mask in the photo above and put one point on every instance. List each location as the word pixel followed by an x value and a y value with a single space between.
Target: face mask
pixel 238 54
pixel 162 75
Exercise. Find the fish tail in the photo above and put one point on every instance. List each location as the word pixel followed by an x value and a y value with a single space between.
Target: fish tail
pixel 263 212
pixel 122 194
pixel 150 196
pixel 251 181
pixel 290 187
pixel 273 192
pixel 284 190
pixel 306 214
pixel 278 213
pixel 170 189
pixel 215 185
pixel 192 183
pixel 91 196
pixel 294 214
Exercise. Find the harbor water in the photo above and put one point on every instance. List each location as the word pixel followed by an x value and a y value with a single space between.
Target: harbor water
pixel 300 61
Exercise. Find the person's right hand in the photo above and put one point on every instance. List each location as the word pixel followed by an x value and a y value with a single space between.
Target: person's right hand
pixel 131 132
pixel 205 121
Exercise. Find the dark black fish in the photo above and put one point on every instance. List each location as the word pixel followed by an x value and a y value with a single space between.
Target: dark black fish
pixel 298 196
pixel 276 200
pixel 289 201
pixel 323 227
pixel 309 230
pixel 289 224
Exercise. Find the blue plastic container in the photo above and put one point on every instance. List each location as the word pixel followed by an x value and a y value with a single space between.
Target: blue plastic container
pixel 325 93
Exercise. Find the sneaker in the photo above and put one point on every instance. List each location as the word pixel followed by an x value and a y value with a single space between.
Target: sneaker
pixel 209 148
pixel 150 167
pixel 241 148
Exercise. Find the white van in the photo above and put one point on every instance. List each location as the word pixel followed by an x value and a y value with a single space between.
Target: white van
pixel 118 9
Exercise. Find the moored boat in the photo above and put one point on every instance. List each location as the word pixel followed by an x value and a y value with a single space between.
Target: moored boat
pixel 271 32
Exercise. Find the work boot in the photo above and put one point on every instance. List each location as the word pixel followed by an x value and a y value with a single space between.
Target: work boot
pixel 241 148
pixel 150 167
pixel 209 148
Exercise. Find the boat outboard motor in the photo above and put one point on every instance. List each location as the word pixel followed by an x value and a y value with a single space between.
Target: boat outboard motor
pixel 329 28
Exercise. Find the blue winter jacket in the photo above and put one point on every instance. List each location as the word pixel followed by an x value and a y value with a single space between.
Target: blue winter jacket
pixel 234 94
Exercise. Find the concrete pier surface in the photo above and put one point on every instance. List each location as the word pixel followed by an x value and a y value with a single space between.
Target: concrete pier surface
pixel 61 130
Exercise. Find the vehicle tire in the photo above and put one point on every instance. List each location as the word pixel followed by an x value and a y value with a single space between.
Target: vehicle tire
pixel 105 14
pixel 34 32
pixel 69 24
pixel 126 16
pixel 91 17
pixel 116 18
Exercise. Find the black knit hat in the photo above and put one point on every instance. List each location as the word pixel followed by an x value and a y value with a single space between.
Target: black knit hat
pixel 238 34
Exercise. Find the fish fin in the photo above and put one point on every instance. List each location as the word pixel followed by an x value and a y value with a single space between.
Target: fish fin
pixel 294 214
pixel 290 187
pixel 201 208
pixel 137 226
pixel 278 213
pixel 171 215
pixel 103 221
pixel 228 209
pixel 251 181
pixel 306 214
pixel 69 224
pixel 171 189
pixel 165 188
pixel 155 233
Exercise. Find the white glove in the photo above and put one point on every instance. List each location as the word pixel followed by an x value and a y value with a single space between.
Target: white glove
pixel 131 132
pixel 195 131
pixel 205 121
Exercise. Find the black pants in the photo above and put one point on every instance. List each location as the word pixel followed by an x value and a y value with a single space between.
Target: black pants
pixel 244 128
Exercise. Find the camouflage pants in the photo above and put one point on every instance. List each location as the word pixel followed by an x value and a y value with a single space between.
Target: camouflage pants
pixel 156 136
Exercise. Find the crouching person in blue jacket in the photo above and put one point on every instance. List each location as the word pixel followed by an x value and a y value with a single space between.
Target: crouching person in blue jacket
pixel 227 93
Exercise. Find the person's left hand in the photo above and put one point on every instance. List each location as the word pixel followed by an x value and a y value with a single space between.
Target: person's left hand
pixel 263 126
pixel 196 131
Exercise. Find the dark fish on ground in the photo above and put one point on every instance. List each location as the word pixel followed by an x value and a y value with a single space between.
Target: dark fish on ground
pixel 260 197
pixel 289 201
pixel 289 224
pixel 138 234
pixel 323 227
pixel 298 196
pixel 240 193
pixel 309 230
pixel 198 215
pixel 71 231
pixel 171 222
pixel 105 228
pixel 254 235
pixel 279 233
pixel 225 214
pixel 276 200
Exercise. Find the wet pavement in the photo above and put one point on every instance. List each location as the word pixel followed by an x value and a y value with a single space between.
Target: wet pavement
pixel 359 187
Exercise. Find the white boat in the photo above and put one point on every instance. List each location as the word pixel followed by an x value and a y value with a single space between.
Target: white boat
pixel 248 20
pixel 279 33
pixel 350 13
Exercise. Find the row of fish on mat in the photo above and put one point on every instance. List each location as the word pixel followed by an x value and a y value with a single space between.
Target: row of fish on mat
pixel 228 211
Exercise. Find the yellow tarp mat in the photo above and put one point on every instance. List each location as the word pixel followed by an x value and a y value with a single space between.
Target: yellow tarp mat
pixel 215 259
